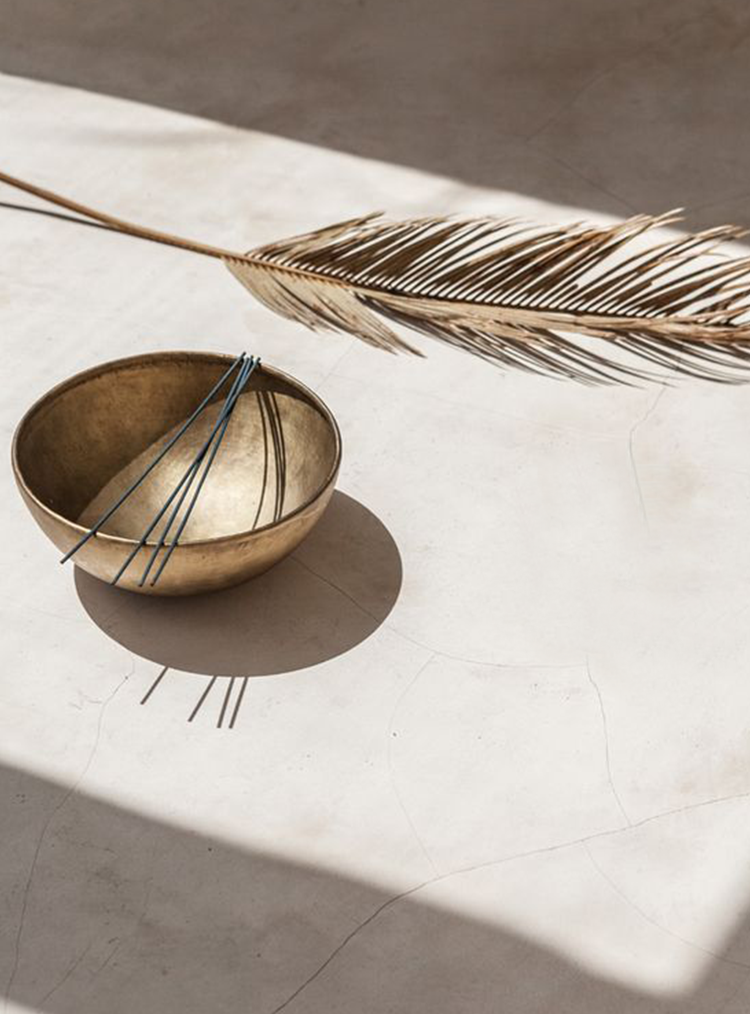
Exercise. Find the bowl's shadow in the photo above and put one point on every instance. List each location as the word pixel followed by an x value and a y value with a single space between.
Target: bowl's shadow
pixel 331 594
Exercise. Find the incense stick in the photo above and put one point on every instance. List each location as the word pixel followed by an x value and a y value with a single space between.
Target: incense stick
pixel 193 465
pixel 247 372
pixel 189 475
pixel 108 514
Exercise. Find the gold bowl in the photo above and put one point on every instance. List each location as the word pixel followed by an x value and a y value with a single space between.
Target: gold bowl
pixel 81 445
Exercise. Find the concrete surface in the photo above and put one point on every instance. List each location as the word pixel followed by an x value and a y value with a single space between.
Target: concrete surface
pixel 610 104
pixel 494 753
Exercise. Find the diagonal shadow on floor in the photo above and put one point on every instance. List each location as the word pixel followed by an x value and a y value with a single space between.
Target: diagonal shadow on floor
pixel 607 104
pixel 106 911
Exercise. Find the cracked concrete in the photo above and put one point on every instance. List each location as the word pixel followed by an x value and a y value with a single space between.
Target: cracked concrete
pixel 69 971
pixel 631 450
pixel 605 733
pixel 636 908
pixel 392 769
pixel 580 842
pixel 405 822
pixel 43 836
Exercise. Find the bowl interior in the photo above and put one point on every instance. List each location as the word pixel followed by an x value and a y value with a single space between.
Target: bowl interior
pixel 83 444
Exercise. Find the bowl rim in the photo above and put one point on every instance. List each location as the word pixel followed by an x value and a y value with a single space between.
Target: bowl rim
pixel 144 357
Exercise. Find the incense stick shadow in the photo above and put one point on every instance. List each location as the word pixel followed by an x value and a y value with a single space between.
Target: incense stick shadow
pixel 46 213
pixel 330 595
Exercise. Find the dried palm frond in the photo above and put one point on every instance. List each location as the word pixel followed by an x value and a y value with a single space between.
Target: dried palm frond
pixel 509 291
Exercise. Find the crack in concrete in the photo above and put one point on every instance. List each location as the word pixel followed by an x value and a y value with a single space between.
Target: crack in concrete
pixel 493 412
pixel 339 361
pixel 107 960
pixel 657 925
pixel 66 976
pixel 391 767
pixel 611 832
pixel 45 828
pixel 357 929
pixel 665 39
pixel 427 647
pixel 631 450
pixel 587 179
pixel 577 94
pixel 605 730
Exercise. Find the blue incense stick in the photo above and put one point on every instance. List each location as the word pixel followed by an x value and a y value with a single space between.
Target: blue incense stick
pixel 247 369
pixel 108 514
pixel 188 475
pixel 222 421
